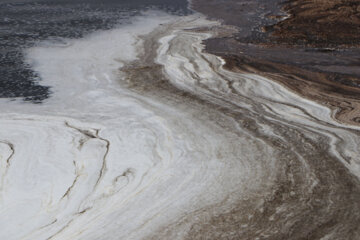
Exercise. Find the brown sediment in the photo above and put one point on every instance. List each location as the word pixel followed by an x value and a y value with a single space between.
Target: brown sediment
pixel 330 89
pixel 290 210
pixel 314 195
pixel 320 23
pixel 316 23
pixel 314 51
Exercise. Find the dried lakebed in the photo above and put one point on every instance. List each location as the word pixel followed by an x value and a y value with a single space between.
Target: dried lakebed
pixel 148 137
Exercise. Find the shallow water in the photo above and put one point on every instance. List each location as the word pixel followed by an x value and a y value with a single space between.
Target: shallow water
pixel 25 23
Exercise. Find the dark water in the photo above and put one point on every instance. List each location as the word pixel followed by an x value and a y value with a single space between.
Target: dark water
pixel 23 23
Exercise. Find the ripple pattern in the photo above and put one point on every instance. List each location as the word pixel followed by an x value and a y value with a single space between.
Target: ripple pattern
pixel 151 138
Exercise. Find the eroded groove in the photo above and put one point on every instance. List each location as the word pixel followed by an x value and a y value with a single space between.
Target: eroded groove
pixel 8 162
pixel 12 148
pixel 94 135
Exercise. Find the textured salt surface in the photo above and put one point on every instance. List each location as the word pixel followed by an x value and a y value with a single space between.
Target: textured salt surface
pixel 115 154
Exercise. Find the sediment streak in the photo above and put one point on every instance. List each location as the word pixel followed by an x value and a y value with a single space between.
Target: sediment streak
pixel 172 146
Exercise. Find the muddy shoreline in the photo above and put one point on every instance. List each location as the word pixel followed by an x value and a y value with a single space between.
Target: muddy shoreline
pixel 157 140
pixel 308 195
pixel 311 48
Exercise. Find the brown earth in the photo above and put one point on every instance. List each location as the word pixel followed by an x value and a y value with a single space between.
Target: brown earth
pixel 310 46
pixel 320 23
